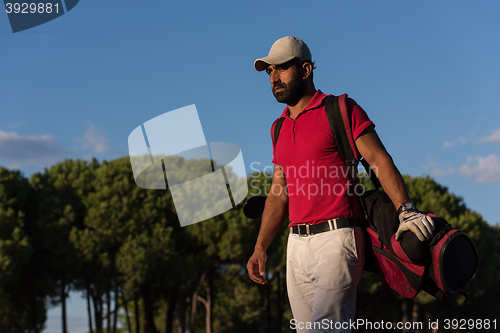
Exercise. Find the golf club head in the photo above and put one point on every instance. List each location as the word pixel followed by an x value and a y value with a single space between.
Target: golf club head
pixel 254 206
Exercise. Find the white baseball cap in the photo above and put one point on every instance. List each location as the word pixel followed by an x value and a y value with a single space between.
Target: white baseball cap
pixel 283 50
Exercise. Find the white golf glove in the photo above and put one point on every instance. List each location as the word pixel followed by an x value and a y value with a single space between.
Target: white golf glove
pixel 420 224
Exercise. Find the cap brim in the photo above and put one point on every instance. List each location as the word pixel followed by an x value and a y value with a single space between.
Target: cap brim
pixel 262 63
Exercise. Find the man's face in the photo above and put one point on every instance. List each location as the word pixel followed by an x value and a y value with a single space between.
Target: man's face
pixel 286 82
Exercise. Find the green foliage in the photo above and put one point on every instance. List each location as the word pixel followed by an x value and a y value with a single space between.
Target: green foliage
pixel 21 306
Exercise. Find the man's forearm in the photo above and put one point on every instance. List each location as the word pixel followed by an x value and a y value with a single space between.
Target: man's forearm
pixel 372 149
pixel 391 180
pixel 274 215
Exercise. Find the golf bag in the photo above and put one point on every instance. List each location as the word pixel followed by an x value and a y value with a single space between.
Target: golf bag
pixel 441 267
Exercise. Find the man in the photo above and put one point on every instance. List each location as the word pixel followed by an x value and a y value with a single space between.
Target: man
pixel 325 253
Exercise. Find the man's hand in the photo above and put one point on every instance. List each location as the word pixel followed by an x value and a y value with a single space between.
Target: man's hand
pixel 257 267
pixel 274 215
pixel 420 224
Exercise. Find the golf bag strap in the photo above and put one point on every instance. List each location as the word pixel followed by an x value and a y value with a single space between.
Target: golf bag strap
pixel 371 174
pixel 277 128
pixel 340 133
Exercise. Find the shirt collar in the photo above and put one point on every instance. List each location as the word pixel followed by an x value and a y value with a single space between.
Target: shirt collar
pixel 315 103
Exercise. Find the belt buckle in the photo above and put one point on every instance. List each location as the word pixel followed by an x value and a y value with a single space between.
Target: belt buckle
pixel 333 224
pixel 307 233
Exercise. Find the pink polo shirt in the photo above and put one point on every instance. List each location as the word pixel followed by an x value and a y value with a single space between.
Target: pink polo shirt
pixel 318 185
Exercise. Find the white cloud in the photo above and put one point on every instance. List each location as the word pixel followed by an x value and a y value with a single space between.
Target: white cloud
pixel 449 144
pixel 94 139
pixel 485 170
pixel 440 172
pixel 17 151
pixel 16 125
pixel 494 137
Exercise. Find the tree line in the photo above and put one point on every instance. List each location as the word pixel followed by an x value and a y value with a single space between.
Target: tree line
pixel 86 226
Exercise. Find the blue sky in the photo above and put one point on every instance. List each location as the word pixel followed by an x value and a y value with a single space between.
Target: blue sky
pixel 427 73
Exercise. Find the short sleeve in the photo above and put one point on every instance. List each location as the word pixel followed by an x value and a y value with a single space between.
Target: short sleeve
pixel 359 119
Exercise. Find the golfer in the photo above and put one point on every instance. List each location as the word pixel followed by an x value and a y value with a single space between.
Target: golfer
pixel 325 252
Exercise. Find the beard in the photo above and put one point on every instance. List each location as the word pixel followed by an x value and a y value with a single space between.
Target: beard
pixel 292 91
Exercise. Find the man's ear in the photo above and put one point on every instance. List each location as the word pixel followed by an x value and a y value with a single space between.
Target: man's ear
pixel 306 70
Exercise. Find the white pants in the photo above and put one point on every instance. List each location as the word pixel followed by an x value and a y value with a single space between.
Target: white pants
pixel 323 271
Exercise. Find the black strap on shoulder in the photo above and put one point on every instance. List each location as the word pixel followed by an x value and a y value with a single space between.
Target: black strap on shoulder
pixel 334 116
pixel 277 129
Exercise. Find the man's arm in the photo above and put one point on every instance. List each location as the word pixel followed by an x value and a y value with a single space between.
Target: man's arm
pixel 372 149
pixel 374 152
pixel 275 212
